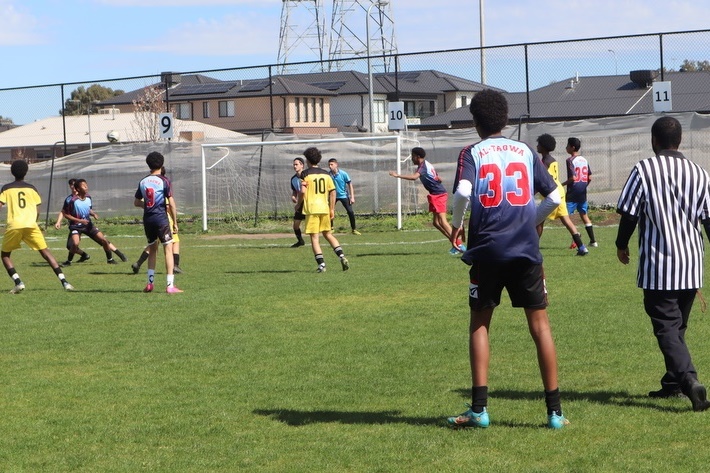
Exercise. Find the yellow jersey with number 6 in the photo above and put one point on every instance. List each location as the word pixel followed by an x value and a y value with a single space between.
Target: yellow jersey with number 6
pixel 21 200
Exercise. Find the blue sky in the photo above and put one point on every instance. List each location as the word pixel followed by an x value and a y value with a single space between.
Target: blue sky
pixel 62 41
pixel 52 41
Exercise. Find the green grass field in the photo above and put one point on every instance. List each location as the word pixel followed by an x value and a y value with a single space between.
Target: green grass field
pixel 265 365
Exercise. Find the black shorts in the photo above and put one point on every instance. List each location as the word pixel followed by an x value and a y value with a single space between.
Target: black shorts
pixel 89 230
pixel 524 280
pixel 158 231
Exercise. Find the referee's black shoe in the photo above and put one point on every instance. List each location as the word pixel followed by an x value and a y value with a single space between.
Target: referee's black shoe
pixel 666 393
pixel 698 396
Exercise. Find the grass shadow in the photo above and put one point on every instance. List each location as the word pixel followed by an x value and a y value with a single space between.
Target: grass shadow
pixel 298 418
pixel 612 398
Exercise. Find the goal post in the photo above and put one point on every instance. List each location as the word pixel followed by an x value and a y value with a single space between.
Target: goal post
pixel 241 177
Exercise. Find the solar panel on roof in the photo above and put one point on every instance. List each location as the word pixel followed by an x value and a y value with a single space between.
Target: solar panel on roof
pixel 333 85
pixel 255 86
pixel 199 89
pixel 405 75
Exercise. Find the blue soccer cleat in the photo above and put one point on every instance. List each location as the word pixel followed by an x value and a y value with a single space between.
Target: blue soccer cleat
pixel 470 419
pixel 556 422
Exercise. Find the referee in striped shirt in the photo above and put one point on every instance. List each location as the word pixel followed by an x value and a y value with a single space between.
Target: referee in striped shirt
pixel 668 197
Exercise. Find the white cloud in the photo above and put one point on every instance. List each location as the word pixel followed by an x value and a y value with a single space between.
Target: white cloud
pixel 18 28
pixel 183 3
pixel 228 36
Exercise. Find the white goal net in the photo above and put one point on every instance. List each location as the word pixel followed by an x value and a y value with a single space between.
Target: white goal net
pixel 251 179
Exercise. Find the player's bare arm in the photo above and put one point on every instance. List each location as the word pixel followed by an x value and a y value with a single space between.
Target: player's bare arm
pixel 172 209
pixel 408 177
pixel 138 203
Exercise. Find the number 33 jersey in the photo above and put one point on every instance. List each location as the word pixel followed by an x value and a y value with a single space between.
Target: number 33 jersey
pixel 505 175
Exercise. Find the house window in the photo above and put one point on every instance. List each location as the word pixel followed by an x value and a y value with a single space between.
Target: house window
pixel 305 109
pixel 205 109
pixel 298 109
pixel 226 108
pixel 379 110
pixel 410 109
pixel 313 108
pixel 183 111
pixel 464 100
pixel 322 109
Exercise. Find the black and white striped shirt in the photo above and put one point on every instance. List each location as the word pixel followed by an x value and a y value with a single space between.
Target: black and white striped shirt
pixel 669 195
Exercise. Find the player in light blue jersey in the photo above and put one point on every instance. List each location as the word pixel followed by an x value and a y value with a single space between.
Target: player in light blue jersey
pixel 344 191
pixel 78 210
pixel 500 177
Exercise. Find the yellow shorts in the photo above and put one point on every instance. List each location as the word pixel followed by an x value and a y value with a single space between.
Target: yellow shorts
pixel 560 211
pixel 32 236
pixel 317 223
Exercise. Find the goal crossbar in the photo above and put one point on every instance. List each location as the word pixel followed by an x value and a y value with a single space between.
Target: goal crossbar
pixel 398 150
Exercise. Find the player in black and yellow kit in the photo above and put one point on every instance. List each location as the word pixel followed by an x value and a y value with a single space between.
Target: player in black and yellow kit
pixel 318 200
pixel 22 201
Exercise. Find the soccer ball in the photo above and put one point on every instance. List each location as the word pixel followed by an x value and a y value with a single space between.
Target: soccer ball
pixel 113 136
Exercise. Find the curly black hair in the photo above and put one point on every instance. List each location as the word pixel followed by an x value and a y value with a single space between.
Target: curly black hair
pixel 547 142
pixel 313 155
pixel 490 111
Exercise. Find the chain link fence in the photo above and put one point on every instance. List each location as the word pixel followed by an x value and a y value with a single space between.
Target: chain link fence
pixel 519 69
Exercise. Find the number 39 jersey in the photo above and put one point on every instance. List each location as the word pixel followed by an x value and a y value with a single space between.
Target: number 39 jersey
pixel 318 186
pixel 505 175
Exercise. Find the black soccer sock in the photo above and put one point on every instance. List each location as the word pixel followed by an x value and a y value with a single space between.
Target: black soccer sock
pixel 176 259
pixel 70 256
pixel 479 398
pixel 142 258
pixel 119 254
pixel 552 401
pixel 590 232
pixel 15 277
pixel 577 240
pixel 298 233
pixel 108 255
pixel 319 259
pixel 60 275
pixel 339 251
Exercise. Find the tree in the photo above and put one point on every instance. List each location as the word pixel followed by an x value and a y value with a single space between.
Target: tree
pixel 87 98
pixel 6 121
pixel 147 109
pixel 694 66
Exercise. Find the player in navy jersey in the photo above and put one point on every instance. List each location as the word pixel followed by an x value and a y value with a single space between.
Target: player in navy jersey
pixel 155 197
pixel 58 224
pixel 579 175
pixel 545 145
pixel 298 216
pixel 499 177
pixel 437 197
pixel 668 196
pixel 78 210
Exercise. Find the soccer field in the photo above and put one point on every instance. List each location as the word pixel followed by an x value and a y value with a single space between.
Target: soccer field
pixel 264 365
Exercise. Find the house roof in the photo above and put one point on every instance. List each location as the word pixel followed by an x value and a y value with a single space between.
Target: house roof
pixel 426 83
pixel 591 97
pixel 48 131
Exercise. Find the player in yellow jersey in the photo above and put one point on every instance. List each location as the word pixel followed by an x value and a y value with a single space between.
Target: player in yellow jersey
pixel 318 199
pixel 22 201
